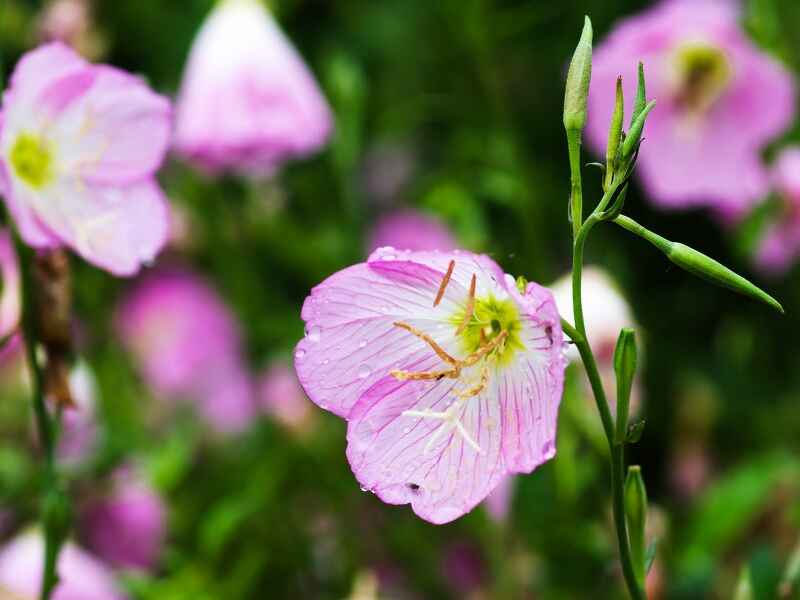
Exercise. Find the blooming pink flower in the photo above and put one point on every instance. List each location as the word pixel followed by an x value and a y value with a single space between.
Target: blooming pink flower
pixel 248 102
pixel 187 345
pixel 81 577
pixel 281 396
pixel 780 245
pixel 411 230
pixel 127 525
pixel 720 100
pixel 78 149
pixel 10 294
pixel 449 376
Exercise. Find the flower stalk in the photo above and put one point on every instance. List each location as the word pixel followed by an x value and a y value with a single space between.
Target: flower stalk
pixel 55 505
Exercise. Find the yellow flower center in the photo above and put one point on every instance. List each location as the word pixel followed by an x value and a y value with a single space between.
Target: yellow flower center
pixel 489 319
pixel 32 160
pixel 703 75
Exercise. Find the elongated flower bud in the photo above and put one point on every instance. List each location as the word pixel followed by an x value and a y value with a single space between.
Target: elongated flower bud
pixel 635 132
pixel 625 369
pixel 614 135
pixel 699 264
pixel 578 78
pixel 641 96
pixel 636 514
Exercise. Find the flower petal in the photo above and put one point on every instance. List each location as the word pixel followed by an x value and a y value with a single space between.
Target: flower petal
pixel 115 228
pixel 102 129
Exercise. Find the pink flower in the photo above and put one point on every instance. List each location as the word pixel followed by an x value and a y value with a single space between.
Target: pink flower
pixel 187 345
pixel 720 100
pixel 10 294
pixel 81 577
pixel 449 376
pixel 498 503
pixel 127 525
pixel 248 102
pixel 780 245
pixel 79 429
pixel 79 146
pixel 411 230
pixel 464 568
pixel 281 397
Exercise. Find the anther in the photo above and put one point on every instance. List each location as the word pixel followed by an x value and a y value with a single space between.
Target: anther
pixel 440 352
pixel 470 306
pixel 445 281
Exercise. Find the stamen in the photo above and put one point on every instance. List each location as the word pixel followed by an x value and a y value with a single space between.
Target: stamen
pixel 425 414
pixel 467 437
pixel 470 306
pixel 453 373
pixel 479 387
pixel 429 340
pixel 445 281
pixel 484 350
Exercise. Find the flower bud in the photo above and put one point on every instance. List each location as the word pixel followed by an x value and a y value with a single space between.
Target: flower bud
pixel 635 132
pixel 625 369
pixel 641 96
pixel 744 587
pixel 636 515
pixel 699 264
pixel 578 77
pixel 614 135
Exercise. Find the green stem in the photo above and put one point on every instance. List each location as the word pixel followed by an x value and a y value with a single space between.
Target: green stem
pixel 576 192
pixel 590 364
pixel 44 423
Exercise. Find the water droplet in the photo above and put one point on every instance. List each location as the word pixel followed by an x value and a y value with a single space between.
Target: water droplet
pixel 364 371
pixel 326 361
pixel 300 354
pixel 314 334
pixel 362 344
pixel 406 430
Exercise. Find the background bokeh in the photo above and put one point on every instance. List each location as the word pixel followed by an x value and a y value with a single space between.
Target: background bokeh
pixel 452 108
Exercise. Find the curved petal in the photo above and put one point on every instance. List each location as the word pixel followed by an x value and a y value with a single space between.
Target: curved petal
pixel 427 462
pixel 115 228
pixel 352 342
pixel 100 132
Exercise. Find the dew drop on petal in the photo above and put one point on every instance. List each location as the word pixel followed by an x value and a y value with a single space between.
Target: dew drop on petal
pixel 300 354
pixel 314 334
pixel 406 430
pixel 362 344
pixel 549 449
pixel 364 371
pixel 326 361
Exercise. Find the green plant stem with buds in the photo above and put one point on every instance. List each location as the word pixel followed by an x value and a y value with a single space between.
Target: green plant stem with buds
pixel 46 425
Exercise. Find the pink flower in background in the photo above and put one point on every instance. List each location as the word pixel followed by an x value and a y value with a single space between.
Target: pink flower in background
pixel 720 100
pixel 281 397
pixel 498 503
pixel 449 376
pixel 79 147
pixel 464 568
pixel 410 230
pixel 10 286
pixel 126 526
pixel 79 429
pixel 780 246
pixel 187 345
pixel 81 577
pixel 248 102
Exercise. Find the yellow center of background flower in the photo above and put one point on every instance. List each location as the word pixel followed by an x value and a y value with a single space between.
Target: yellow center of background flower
pixel 704 73
pixel 32 160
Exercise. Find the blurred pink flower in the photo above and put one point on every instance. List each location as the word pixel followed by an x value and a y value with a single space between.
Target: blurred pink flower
pixel 410 230
pixel 464 568
pixel 79 430
pixel 126 526
pixel 720 100
pixel 81 577
pixel 449 375
pixel 780 245
pixel 187 345
pixel 70 21
pixel 498 503
pixel 79 147
pixel 281 397
pixel 9 278
pixel 248 102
